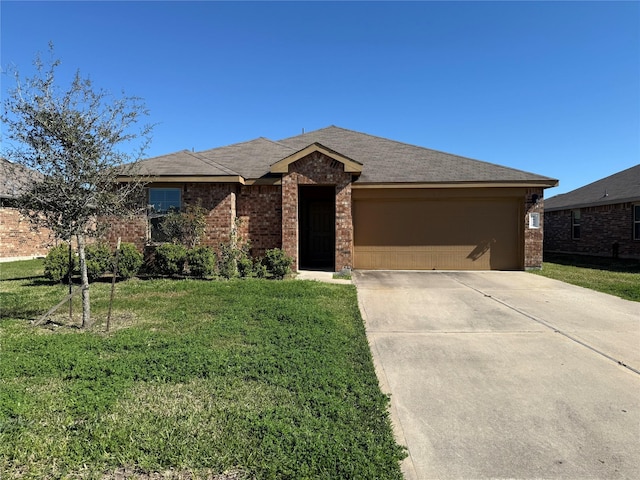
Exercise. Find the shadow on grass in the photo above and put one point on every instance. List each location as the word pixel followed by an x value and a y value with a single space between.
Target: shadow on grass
pixel 34 278
pixel 624 265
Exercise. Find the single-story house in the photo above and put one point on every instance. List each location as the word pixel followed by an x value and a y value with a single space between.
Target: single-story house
pixel 602 218
pixel 18 238
pixel 336 199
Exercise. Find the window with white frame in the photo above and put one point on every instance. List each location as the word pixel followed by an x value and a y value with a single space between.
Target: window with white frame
pixel 534 220
pixel 162 201
pixel 575 224
pixel 636 222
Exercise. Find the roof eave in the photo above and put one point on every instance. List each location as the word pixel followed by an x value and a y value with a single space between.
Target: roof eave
pixel 546 183
pixel 597 203
pixel 184 178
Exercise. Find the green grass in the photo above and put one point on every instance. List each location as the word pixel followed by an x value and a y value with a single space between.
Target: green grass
pixel 270 379
pixel 616 277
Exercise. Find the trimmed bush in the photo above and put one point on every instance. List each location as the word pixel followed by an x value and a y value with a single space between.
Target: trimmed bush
pixel 130 260
pixel 202 261
pixel 227 261
pixel 56 263
pixel 245 267
pixel 99 260
pixel 277 263
pixel 170 259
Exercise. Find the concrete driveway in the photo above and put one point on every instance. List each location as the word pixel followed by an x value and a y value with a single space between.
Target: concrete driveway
pixel 506 374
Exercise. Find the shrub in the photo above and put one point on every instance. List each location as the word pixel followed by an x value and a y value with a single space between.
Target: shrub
pixel 185 227
pixel 202 261
pixel 129 261
pixel 227 262
pixel 99 260
pixel 245 266
pixel 56 263
pixel 277 263
pixel 259 270
pixel 170 258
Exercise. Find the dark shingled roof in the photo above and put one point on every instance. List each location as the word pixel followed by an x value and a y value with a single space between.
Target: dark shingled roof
pixel 15 178
pixel 383 160
pixel 388 161
pixel 620 187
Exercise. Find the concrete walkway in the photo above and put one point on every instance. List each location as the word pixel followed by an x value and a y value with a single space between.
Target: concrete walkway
pixel 326 277
pixel 506 374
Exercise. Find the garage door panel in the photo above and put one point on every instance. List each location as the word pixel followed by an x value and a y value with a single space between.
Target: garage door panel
pixel 477 234
pixel 438 257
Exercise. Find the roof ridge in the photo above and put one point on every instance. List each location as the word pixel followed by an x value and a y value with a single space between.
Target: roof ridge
pixel 277 142
pixel 212 163
pixel 626 171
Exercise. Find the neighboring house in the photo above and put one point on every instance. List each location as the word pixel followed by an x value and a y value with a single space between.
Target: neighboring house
pixel 18 239
pixel 602 218
pixel 335 199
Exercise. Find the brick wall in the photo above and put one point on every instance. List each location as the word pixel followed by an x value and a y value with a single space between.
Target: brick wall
pixel 19 239
pixel 219 200
pixel 259 210
pixel 533 237
pixel 318 169
pixel 600 228
pixel 131 230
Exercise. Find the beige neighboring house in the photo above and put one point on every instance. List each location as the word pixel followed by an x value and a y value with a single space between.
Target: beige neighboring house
pixel 18 239
pixel 335 199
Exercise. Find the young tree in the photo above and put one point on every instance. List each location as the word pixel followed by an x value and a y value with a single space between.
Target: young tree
pixel 79 139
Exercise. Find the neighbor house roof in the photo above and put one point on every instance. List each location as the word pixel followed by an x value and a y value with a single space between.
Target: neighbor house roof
pixel 376 160
pixel 620 187
pixel 15 178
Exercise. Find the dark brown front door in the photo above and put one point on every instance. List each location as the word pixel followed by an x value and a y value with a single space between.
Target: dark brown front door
pixel 317 219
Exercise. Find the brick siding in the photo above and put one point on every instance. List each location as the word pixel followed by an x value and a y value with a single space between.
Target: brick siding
pixel 318 169
pixel 131 230
pixel 533 237
pixel 219 201
pixel 259 210
pixel 19 239
pixel 600 228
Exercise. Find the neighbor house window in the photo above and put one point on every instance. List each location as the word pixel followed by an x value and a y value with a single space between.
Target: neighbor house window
pixel 575 224
pixel 161 202
pixel 636 222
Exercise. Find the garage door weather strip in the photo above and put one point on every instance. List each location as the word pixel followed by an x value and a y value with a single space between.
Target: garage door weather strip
pixel 551 327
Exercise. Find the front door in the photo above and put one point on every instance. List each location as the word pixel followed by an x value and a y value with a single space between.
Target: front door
pixel 317 227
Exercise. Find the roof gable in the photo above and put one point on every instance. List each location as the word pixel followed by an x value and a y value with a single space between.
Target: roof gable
pixel 350 166
pixel 620 187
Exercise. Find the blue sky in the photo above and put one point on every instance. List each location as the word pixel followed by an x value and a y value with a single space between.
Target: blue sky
pixel 547 87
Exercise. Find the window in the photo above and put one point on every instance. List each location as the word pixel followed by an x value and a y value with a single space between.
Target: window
pixel 575 224
pixel 534 220
pixel 164 200
pixel 161 202
pixel 636 222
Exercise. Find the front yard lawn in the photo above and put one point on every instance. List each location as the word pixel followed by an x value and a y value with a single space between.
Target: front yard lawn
pixel 266 379
pixel 616 277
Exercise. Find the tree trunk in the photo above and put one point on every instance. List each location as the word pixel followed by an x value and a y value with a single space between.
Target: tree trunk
pixel 84 277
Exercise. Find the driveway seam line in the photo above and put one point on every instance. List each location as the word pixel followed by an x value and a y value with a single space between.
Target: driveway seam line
pixel 549 326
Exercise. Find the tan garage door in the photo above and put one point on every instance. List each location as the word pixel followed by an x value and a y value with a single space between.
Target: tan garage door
pixel 423 231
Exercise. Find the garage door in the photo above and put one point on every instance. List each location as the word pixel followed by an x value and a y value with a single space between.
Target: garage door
pixel 422 230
